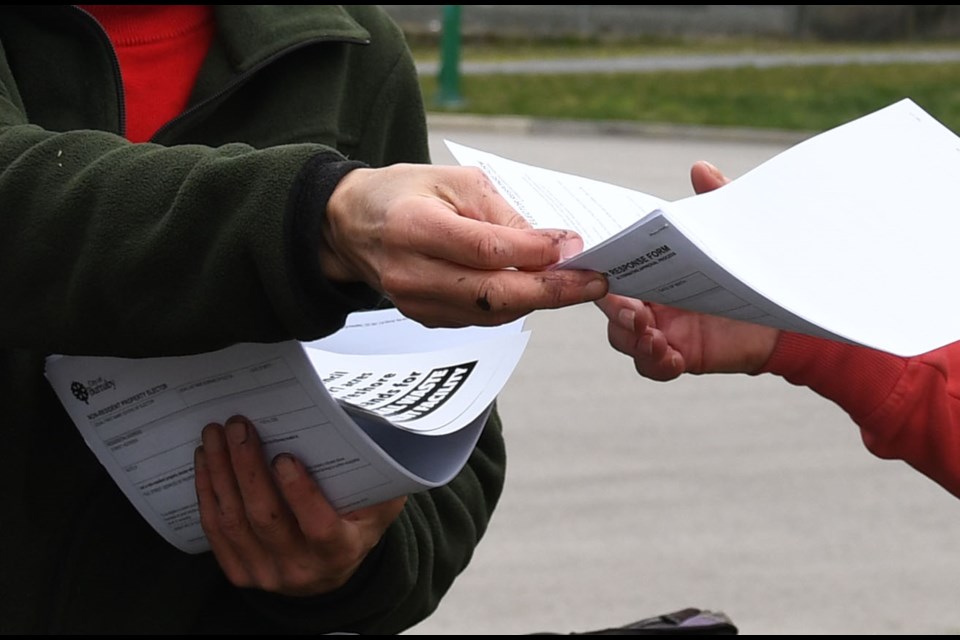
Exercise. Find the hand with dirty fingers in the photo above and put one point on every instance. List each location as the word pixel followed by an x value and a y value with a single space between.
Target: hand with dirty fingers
pixel 274 530
pixel 446 248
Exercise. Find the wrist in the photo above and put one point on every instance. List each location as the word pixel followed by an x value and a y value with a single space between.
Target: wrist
pixel 345 202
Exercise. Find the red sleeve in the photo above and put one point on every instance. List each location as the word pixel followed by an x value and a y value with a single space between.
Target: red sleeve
pixel 907 408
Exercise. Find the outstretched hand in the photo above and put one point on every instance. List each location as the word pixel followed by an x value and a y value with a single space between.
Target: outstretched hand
pixel 666 342
pixel 446 248
pixel 276 531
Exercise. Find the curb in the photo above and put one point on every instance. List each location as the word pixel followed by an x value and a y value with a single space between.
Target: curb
pixel 521 125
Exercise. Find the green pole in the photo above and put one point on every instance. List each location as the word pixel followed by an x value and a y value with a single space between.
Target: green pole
pixel 448 81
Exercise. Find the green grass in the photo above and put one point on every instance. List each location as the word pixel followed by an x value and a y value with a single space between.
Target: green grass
pixel 789 98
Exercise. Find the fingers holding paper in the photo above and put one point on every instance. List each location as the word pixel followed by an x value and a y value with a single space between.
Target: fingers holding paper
pixel 272 529
pixel 446 248
pixel 665 342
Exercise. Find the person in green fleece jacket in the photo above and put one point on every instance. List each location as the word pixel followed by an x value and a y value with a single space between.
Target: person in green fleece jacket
pixel 178 178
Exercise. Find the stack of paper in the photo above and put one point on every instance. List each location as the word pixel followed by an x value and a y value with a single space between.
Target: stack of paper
pixel 849 235
pixel 401 411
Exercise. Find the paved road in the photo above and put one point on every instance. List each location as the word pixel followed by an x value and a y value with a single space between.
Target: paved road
pixel 627 498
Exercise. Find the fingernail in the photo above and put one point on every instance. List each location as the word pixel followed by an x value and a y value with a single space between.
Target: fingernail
pixel 237 431
pixel 570 247
pixel 596 289
pixel 212 438
pixel 626 318
pixel 285 467
pixel 716 172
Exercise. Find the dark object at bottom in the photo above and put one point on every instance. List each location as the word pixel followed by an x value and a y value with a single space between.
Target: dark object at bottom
pixel 685 622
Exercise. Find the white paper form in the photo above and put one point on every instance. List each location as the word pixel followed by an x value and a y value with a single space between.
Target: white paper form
pixel 553 200
pixel 404 387
pixel 856 229
pixel 422 392
pixel 384 331
pixel 850 235
pixel 627 236
pixel 142 418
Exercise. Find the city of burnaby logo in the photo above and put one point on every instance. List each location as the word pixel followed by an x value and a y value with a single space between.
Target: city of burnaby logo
pixel 85 391
pixel 79 391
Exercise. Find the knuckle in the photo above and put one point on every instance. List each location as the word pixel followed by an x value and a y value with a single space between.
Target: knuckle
pixel 393 281
pixel 299 577
pixel 465 180
pixel 240 579
pixel 207 522
pixel 549 249
pixel 265 520
pixel 320 537
pixel 554 288
pixel 491 295
pixel 415 311
pixel 232 523
pixel 489 247
pixel 476 174
pixel 267 579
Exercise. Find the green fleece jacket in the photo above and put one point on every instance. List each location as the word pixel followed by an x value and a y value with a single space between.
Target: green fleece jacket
pixel 201 238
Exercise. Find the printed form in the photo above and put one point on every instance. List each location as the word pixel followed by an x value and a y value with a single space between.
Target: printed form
pixel 384 425
pixel 627 235
pixel 847 235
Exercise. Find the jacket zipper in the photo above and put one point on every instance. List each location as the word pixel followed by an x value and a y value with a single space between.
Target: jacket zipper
pixel 115 63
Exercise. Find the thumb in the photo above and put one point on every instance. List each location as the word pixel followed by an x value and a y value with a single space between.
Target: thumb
pixel 706 177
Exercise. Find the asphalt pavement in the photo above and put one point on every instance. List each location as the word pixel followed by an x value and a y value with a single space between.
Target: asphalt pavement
pixel 627 498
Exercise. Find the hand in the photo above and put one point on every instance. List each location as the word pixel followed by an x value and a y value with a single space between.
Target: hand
pixel 665 342
pixel 446 248
pixel 277 532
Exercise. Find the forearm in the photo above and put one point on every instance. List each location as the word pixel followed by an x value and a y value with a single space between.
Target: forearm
pixel 184 248
pixel 906 409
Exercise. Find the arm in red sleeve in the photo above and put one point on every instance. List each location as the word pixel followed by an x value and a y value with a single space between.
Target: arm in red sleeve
pixel 906 408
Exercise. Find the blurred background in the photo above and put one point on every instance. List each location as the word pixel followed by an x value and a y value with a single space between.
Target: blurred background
pixel 852 22
pixel 627 498
pixel 793 67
